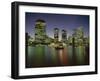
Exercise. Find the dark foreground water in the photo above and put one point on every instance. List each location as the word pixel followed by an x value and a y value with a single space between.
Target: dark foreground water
pixel 45 56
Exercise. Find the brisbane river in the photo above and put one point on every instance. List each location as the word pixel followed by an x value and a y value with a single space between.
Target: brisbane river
pixel 46 56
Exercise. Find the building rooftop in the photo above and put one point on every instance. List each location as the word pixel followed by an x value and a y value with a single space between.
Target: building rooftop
pixel 40 20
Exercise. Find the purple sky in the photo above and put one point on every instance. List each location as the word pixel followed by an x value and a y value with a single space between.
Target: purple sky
pixel 61 21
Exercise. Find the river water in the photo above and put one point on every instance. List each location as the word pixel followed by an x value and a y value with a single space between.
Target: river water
pixel 45 56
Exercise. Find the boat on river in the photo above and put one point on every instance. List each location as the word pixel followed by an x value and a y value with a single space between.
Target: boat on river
pixel 59 45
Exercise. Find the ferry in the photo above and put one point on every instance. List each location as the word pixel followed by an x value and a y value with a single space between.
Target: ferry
pixel 59 45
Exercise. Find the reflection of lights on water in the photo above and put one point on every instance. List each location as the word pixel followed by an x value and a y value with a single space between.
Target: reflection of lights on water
pixel 49 56
pixel 80 52
pixel 63 56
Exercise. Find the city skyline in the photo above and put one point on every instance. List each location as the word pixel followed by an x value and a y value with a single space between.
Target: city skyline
pixel 62 21
pixel 47 47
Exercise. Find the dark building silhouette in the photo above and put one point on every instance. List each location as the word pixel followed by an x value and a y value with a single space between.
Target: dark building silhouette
pixel 56 34
pixel 64 36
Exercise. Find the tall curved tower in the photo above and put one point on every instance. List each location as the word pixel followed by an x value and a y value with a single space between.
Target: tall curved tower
pixel 40 31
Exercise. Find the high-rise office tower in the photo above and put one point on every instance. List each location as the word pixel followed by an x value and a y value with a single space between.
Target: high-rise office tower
pixel 40 31
pixel 56 34
pixel 64 36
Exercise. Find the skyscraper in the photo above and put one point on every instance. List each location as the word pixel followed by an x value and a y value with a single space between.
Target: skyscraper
pixel 64 36
pixel 56 34
pixel 40 31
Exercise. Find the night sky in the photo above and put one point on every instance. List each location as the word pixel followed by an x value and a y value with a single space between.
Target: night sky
pixel 61 21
